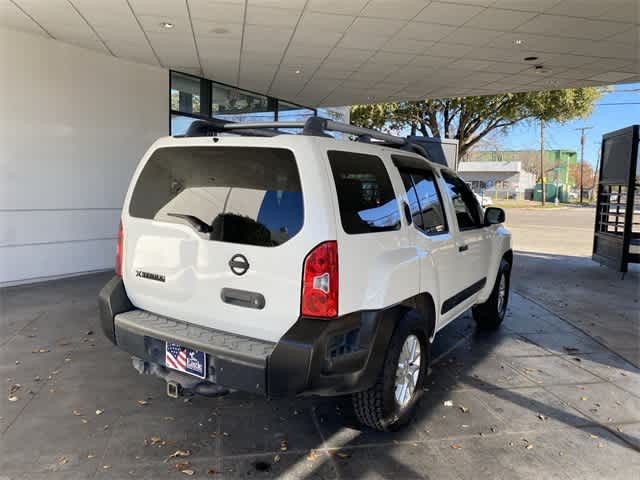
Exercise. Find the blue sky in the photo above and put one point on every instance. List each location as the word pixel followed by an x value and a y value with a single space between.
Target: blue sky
pixel 604 118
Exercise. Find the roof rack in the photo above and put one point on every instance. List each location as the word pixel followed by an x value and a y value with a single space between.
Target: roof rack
pixel 313 126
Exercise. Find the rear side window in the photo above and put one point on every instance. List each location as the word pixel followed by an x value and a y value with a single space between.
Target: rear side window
pixel 424 201
pixel 468 211
pixel 230 194
pixel 366 198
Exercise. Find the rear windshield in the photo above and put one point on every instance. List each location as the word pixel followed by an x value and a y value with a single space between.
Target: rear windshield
pixel 230 194
pixel 365 196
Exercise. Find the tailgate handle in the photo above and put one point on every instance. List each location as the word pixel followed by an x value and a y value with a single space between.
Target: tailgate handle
pixel 242 298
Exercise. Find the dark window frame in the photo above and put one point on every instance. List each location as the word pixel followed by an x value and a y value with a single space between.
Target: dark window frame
pixel 421 171
pixel 472 197
pixel 396 198
pixel 206 87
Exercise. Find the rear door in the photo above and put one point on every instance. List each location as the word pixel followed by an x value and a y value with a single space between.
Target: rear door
pixel 432 234
pixel 216 236
pixel 473 245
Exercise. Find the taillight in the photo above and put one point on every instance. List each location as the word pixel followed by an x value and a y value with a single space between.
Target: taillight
pixel 320 282
pixel 119 250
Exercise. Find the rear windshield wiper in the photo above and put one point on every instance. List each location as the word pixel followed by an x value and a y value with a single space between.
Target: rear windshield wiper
pixel 194 221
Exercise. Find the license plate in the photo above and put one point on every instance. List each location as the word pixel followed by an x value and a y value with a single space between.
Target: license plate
pixel 185 360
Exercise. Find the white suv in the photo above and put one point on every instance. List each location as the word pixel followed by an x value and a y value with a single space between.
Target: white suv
pixel 286 264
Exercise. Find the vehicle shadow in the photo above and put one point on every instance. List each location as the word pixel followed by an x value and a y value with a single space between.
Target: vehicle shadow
pixel 457 349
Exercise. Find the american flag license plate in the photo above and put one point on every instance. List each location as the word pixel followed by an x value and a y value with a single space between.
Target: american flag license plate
pixel 186 360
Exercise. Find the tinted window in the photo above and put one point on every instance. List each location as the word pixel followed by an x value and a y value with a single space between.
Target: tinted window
pixel 464 202
pixel 423 189
pixel 237 195
pixel 412 197
pixel 366 198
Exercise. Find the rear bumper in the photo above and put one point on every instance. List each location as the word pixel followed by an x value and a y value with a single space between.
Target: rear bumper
pixel 315 357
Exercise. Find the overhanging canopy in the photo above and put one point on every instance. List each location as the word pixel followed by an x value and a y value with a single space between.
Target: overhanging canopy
pixel 340 52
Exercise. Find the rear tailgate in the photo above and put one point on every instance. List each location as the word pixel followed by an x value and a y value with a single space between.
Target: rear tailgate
pixel 215 235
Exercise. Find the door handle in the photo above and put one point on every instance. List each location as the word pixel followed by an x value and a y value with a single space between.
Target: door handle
pixel 463 248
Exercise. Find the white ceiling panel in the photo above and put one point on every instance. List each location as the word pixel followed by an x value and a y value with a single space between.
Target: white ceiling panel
pixel 217 12
pixel 345 51
pixel 499 19
pixel 342 7
pixel 448 13
pixel 397 9
pixel 272 17
pixel 14 18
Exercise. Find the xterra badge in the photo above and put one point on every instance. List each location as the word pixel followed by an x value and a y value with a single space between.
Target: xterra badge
pixel 150 276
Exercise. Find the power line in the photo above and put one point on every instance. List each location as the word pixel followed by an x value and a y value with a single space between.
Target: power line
pixel 617 103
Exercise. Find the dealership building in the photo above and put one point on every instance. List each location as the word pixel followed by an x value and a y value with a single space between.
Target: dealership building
pixel 87 85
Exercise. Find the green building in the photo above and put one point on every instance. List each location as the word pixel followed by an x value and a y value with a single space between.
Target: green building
pixel 557 163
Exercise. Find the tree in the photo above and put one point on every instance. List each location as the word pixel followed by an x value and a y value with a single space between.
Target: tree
pixel 470 119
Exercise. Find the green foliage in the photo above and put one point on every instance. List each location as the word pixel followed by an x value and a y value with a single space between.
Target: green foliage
pixel 470 119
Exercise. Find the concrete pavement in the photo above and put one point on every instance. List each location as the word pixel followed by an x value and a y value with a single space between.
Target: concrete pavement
pixel 538 398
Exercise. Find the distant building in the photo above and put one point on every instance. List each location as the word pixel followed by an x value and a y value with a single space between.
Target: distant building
pixel 557 163
pixel 497 179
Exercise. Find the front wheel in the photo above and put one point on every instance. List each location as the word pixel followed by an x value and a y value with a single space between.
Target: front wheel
pixel 489 315
pixel 391 402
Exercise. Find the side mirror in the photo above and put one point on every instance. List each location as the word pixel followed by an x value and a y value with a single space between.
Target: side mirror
pixel 494 216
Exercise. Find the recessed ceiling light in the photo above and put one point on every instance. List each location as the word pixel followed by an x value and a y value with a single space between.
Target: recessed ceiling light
pixel 530 59
pixel 167 25
pixel 220 30
pixel 518 41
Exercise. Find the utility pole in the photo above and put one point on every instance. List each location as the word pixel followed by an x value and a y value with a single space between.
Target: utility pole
pixel 542 159
pixel 582 140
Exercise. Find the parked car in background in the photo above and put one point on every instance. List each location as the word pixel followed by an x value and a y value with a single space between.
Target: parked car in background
pixel 484 200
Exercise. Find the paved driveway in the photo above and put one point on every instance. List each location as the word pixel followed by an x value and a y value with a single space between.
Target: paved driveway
pixel 539 399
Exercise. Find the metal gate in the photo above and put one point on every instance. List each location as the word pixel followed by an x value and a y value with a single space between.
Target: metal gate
pixel 616 241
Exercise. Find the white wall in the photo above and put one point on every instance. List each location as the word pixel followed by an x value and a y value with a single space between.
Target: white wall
pixel 73 125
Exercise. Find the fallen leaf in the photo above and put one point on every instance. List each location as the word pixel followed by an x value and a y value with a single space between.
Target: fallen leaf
pixel 63 460
pixel 312 455
pixel 188 471
pixel 343 455
pixel 463 409
pixel 600 445
pixel 41 350
pixel 77 413
pixel 529 447
pixel 89 332
pixel 276 459
pixel 14 389
pixel 106 467
pixel 542 417
pixel 13 398
pixel 90 456
pixel 448 403
pixel 211 471
pixel 594 436
pixel 283 446
pixel 584 398
pixel 168 419
pixel 155 440
pixel 577 359
pixel 183 466
pixel 99 412
pixel 455 446
pixel 179 453
pixel 143 402
pixel 84 420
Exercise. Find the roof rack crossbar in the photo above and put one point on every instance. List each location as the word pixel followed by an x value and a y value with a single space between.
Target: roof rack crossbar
pixel 315 126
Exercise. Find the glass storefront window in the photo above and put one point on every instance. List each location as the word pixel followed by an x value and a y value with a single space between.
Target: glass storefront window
pixel 185 93
pixel 232 104
pixel 180 124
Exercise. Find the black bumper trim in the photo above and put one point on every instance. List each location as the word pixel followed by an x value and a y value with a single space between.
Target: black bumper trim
pixel 299 364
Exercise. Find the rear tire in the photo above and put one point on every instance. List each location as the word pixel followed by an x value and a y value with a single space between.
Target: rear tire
pixel 391 402
pixel 490 314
